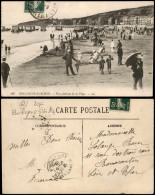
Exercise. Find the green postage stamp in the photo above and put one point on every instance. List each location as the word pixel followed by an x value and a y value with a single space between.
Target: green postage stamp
pixel 41 9
pixel 120 104
pixel 34 6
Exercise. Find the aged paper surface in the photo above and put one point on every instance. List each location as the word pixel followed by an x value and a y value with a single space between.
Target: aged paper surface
pixel 111 43
pixel 77 146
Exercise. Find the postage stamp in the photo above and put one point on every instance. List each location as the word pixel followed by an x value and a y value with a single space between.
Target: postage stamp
pixel 59 165
pixel 41 9
pixel 35 6
pixel 120 104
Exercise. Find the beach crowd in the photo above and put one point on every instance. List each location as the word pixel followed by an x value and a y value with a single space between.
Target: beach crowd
pixel 98 56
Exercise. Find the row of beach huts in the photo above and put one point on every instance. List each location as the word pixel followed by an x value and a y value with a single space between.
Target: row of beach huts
pixel 28 28
pixel 20 28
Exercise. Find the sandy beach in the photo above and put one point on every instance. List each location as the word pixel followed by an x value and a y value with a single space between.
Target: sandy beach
pixel 49 72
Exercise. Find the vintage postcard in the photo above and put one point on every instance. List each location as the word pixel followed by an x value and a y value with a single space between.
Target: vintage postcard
pixel 77 146
pixel 71 48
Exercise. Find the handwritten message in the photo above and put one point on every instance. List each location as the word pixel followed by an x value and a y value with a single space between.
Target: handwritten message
pixel 53 143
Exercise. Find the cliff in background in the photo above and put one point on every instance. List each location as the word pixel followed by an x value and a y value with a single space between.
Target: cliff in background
pixel 140 11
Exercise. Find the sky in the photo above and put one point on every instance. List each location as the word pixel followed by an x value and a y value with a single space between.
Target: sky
pixel 12 12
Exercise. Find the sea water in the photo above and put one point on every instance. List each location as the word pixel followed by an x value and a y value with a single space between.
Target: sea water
pixel 25 46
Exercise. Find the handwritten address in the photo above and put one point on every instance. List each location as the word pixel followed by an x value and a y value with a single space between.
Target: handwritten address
pixel 116 153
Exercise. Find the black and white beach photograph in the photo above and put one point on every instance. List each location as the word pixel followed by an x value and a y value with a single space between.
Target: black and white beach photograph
pixel 77 48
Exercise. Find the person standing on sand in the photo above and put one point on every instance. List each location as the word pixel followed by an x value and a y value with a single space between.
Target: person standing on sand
pixel 130 36
pixel 101 64
pixel 9 49
pixel 112 45
pixel 124 36
pixel 109 63
pixel 79 58
pixel 53 42
pixel 95 40
pixel 77 36
pixel 119 44
pixel 137 68
pixel 2 41
pixel 5 69
pixel 71 34
pixel 66 47
pixel 120 55
pixel 68 57
pixel 70 44
pixel 6 48
pixel 52 39
pixel 61 45
pixel 121 34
